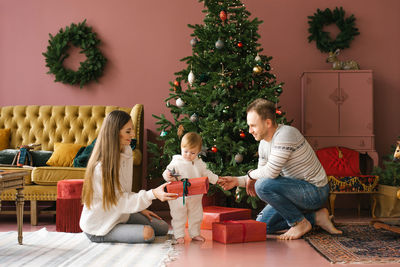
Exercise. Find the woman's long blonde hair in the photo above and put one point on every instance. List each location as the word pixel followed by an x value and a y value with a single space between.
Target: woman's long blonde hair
pixel 106 152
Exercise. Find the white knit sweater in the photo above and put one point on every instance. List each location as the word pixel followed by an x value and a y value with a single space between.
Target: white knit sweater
pixel 96 220
pixel 190 169
pixel 288 154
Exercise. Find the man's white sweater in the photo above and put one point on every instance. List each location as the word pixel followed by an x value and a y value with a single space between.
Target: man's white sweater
pixel 96 220
pixel 288 154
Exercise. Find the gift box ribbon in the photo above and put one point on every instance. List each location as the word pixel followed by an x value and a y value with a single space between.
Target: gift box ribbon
pixel 186 184
pixel 243 227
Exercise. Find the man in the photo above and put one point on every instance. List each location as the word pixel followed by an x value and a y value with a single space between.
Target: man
pixel 289 176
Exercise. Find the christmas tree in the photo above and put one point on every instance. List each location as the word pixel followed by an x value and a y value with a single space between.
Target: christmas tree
pixel 224 74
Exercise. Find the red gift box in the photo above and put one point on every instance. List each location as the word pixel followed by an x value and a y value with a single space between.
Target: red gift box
pixel 198 186
pixel 239 231
pixel 218 214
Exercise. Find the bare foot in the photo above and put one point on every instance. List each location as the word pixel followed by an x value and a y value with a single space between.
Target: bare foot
pixel 297 231
pixel 180 240
pixel 323 220
pixel 199 238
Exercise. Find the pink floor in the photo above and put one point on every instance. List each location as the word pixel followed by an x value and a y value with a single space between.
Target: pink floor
pixel 273 252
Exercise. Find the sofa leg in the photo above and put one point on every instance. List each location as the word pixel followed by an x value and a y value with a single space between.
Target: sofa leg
pixel 332 198
pixel 34 213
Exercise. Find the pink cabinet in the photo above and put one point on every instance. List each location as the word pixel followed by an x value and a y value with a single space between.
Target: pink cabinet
pixel 337 110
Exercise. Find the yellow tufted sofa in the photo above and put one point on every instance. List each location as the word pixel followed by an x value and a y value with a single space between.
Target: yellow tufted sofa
pixel 47 125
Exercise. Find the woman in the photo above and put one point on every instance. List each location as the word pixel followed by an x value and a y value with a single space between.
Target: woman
pixel 111 212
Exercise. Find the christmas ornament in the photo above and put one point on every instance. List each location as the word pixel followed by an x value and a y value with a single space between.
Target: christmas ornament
pixel 242 134
pixel 257 58
pixel 240 44
pixel 268 67
pixel 278 112
pixel 194 117
pixel 222 15
pixel 176 83
pixel 194 42
pixel 191 78
pixel 279 90
pixel 168 104
pixel 238 158
pixel 219 44
pixel 214 149
pixel 163 133
pixel 180 131
pixel 180 103
pixel 257 69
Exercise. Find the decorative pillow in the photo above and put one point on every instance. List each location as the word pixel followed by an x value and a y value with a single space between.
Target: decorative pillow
pixel 82 157
pixel 7 156
pixel 63 155
pixel 40 157
pixel 4 138
pixel 339 161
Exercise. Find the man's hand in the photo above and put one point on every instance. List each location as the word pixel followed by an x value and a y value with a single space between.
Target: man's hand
pixel 148 214
pixel 250 189
pixel 228 182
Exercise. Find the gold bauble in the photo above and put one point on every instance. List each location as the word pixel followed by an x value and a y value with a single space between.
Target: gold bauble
pixel 257 69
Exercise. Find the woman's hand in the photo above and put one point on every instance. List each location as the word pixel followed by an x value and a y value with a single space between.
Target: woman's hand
pixel 163 196
pixel 148 214
pixel 228 182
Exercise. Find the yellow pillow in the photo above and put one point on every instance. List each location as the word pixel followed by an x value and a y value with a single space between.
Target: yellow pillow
pixel 63 155
pixel 4 138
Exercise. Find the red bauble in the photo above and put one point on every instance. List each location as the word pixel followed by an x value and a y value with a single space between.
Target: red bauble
pixel 222 15
pixel 214 149
pixel 278 112
pixel 176 83
pixel 240 44
pixel 242 135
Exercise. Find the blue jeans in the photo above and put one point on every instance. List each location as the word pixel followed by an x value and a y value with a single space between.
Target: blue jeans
pixel 132 230
pixel 289 201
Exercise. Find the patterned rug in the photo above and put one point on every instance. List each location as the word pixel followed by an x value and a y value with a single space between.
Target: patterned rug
pixel 48 249
pixel 357 244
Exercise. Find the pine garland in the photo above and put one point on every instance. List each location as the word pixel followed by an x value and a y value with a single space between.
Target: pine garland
pixel 80 36
pixel 323 18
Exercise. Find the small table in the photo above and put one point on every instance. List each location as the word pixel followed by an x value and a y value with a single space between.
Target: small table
pixel 14 179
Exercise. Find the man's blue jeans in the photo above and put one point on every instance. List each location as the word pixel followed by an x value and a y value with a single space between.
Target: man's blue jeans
pixel 289 201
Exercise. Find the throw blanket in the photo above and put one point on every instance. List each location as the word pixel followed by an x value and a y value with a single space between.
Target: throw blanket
pixel 43 248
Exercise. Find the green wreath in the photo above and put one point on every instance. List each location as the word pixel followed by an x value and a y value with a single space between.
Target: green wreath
pixel 80 36
pixel 322 18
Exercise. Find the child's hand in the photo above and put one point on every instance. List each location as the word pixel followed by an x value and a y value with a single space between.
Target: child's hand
pixel 171 177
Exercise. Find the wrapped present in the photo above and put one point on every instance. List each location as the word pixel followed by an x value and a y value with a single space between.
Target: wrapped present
pixel 218 214
pixel 239 231
pixel 189 187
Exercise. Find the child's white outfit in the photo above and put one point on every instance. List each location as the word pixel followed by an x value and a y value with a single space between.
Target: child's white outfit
pixel 193 208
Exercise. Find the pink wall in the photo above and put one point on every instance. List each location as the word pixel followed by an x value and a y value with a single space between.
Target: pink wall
pixel 144 40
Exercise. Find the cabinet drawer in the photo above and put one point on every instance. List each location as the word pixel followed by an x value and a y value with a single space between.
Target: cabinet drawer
pixel 353 142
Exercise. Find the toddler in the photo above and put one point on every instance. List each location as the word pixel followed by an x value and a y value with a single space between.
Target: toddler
pixel 188 165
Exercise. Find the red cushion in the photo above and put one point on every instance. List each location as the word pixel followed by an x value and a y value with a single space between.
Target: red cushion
pixel 339 161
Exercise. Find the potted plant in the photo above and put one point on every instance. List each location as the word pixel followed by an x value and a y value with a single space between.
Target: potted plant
pixel 388 199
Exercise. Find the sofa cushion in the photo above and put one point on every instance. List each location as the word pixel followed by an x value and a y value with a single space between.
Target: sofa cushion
pixel 51 175
pixel 64 154
pixel 39 157
pixel 4 138
pixel 82 157
pixel 7 156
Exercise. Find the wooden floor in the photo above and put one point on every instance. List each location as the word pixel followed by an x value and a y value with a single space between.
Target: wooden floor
pixel 273 252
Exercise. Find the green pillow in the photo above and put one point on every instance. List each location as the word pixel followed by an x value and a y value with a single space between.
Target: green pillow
pixel 7 155
pixel 82 157
pixel 39 157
